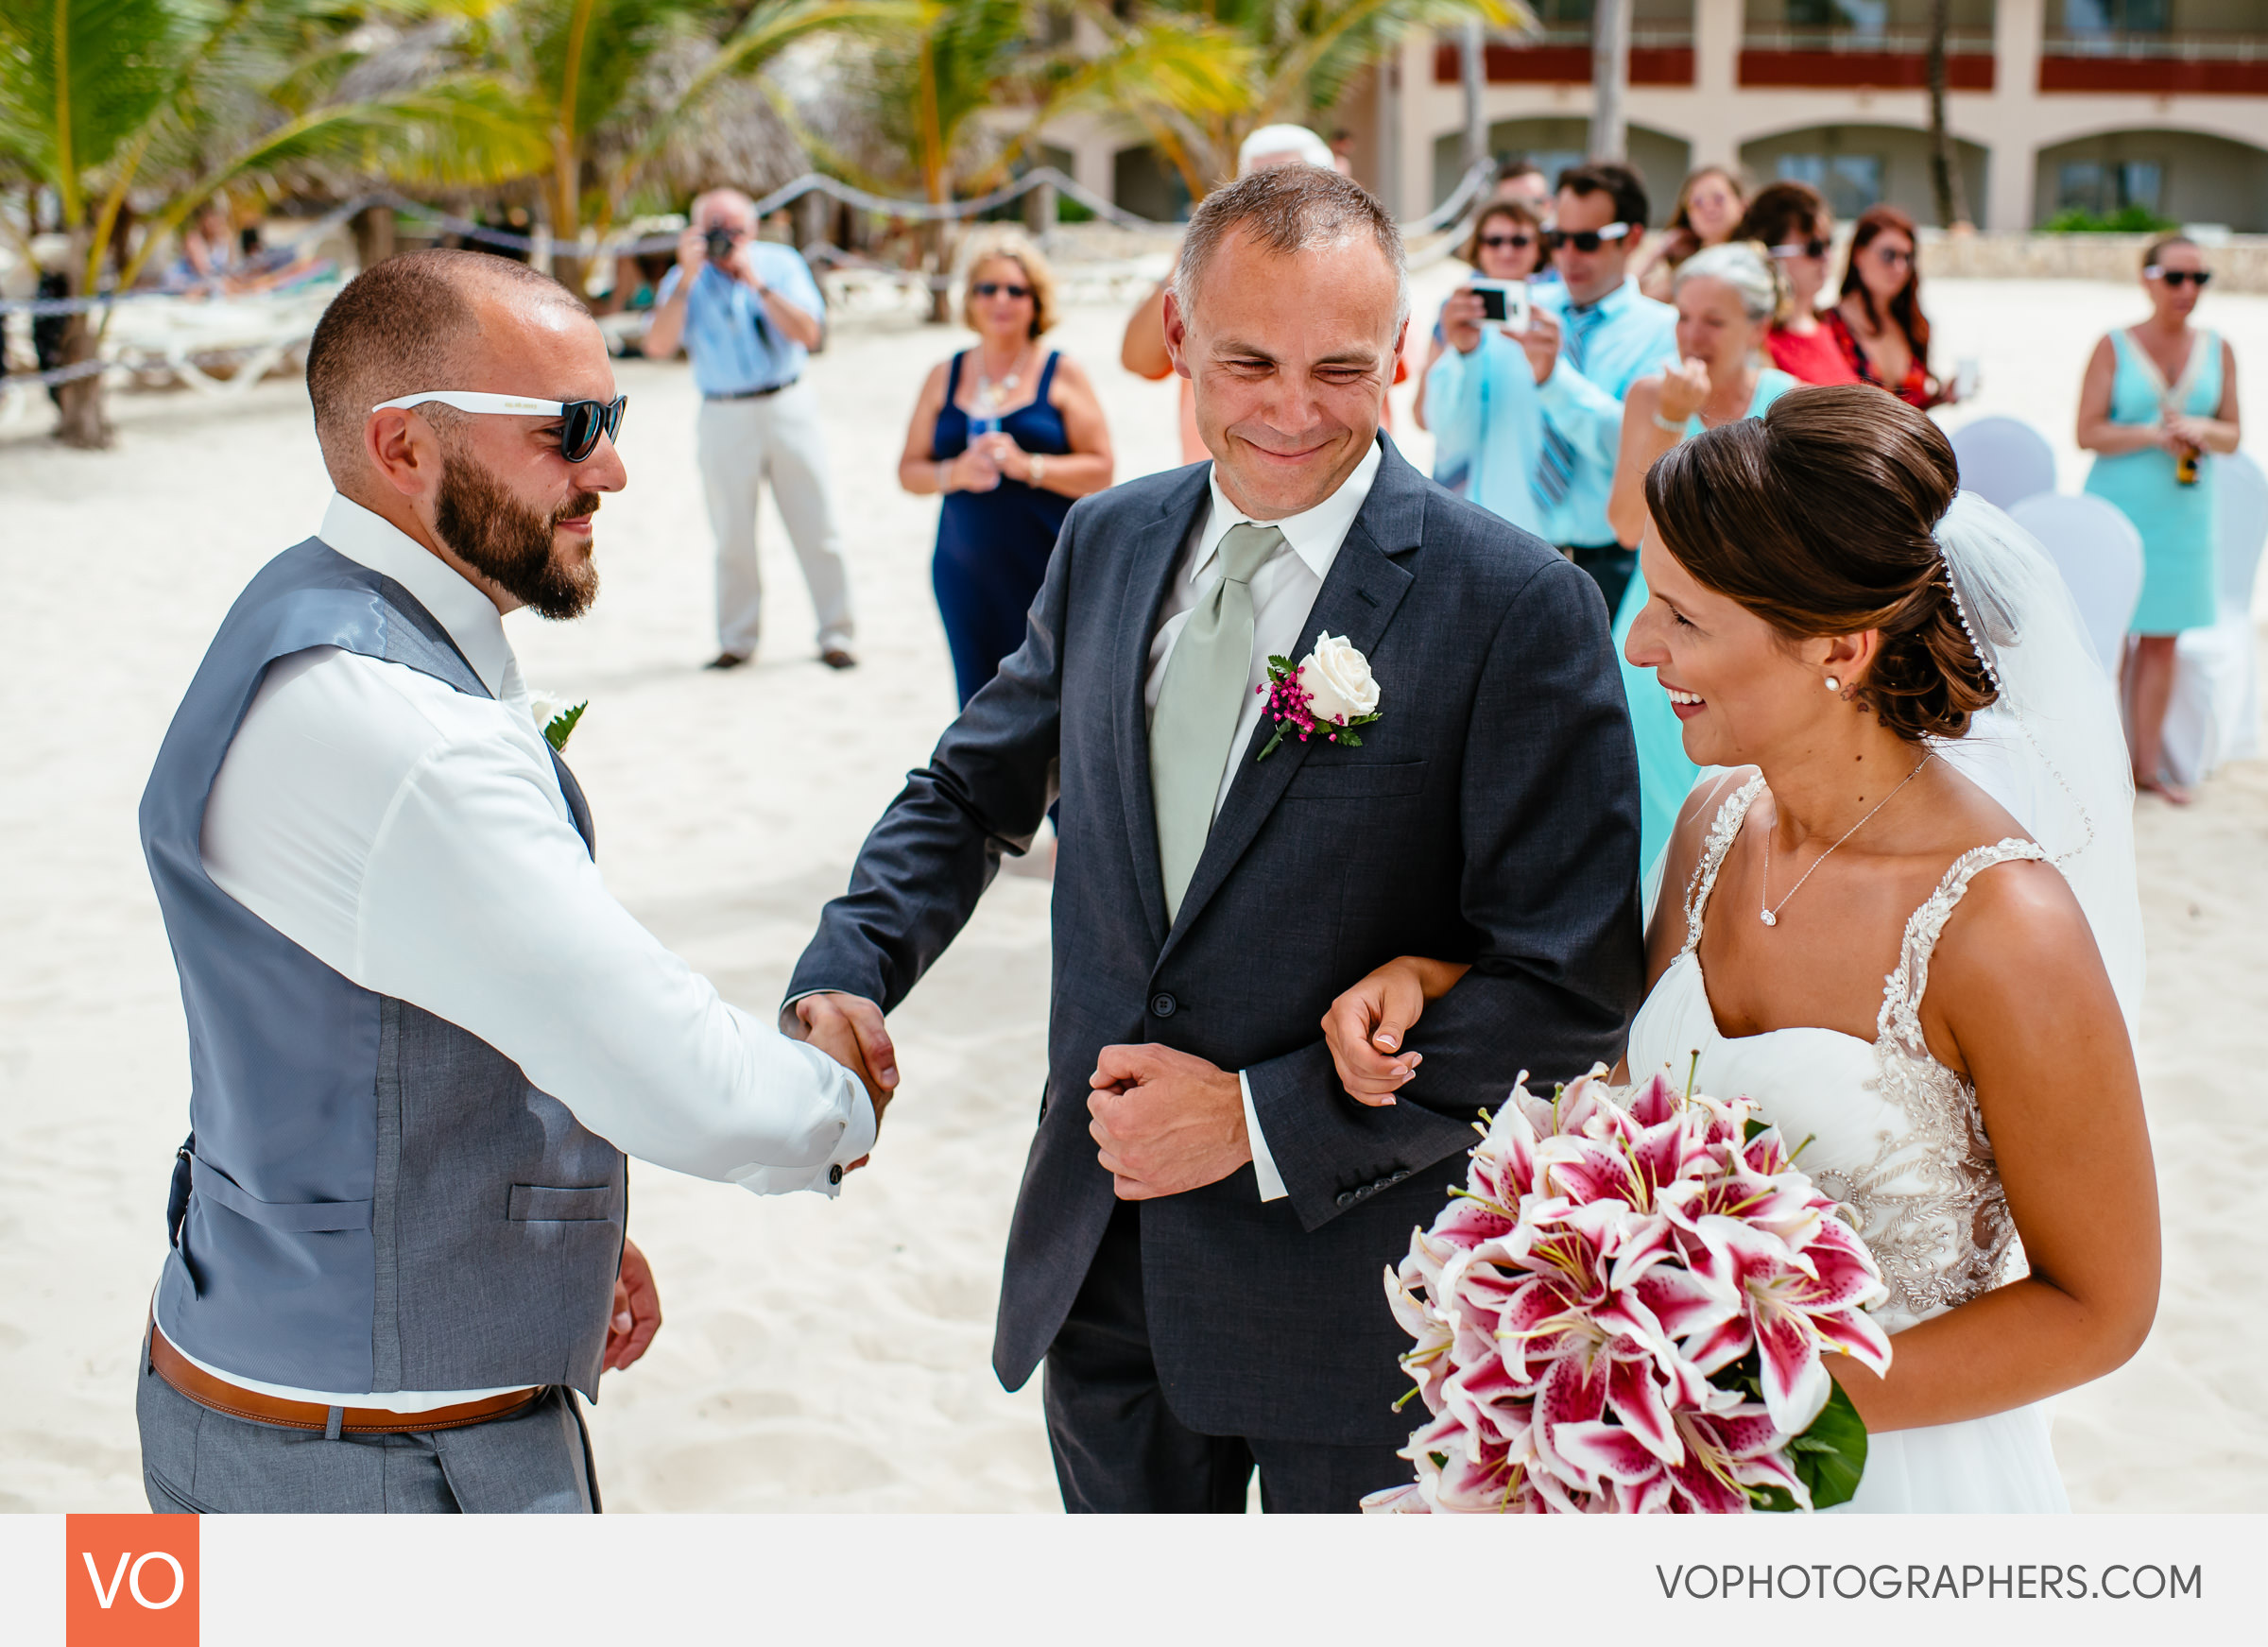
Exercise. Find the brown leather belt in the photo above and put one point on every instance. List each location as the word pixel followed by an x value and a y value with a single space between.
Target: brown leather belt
pixel 200 1386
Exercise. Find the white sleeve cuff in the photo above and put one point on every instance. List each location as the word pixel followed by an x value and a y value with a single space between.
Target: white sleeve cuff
pixel 1263 1165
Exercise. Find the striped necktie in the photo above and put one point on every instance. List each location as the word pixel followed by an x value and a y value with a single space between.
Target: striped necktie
pixel 1556 469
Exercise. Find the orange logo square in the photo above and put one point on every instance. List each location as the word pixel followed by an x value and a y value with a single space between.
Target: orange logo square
pixel 129 1581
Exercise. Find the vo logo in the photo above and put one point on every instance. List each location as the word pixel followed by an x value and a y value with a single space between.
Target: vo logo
pixel 130 1581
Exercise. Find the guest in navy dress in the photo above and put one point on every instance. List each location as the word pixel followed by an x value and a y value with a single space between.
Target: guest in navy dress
pixel 1011 432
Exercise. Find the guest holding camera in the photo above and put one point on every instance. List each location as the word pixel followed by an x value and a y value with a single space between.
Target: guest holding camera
pixel 1009 434
pixel 1594 335
pixel 748 312
pixel 2158 403
pixel 1479 390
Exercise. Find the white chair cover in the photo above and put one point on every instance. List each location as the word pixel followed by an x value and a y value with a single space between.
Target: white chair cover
pixel 2215 712
pixel 2003 460
pixel 2100 554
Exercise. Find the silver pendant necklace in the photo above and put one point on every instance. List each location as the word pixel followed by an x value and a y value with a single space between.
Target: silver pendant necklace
pixel 1769 913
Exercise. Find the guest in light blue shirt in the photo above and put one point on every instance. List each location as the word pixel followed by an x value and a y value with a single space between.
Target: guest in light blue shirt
pixel 1595 335
pixel 748 312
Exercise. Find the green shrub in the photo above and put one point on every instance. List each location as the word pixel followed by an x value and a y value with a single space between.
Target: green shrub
pixel 2125 220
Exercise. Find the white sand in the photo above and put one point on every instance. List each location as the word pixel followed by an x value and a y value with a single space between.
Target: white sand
pixel 822 1355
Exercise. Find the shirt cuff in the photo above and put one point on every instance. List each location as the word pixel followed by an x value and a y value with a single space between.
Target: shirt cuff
pixel 826 1179
pixel 1263 1165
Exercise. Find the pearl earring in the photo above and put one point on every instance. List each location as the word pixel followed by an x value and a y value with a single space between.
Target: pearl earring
pixel 1833 685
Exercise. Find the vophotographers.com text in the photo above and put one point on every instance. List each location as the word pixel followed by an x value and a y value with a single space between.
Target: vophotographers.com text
pixel 1914 1581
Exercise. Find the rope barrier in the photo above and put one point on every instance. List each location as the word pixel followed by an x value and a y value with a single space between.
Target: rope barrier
pixel 621 244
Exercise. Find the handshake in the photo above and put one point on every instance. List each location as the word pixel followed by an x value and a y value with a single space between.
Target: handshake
pixel 848 1029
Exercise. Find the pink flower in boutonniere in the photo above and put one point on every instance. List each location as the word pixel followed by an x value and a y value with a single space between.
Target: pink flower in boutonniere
pixel 1328 694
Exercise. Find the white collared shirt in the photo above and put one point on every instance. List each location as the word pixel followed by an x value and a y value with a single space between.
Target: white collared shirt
pixel 414 839
pixel 1284 592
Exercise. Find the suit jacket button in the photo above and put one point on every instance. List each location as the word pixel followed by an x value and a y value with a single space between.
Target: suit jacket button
pixel 1346 1198
pixel 1164 1005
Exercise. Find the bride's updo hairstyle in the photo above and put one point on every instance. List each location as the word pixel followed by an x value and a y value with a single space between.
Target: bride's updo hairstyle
pixel 1817 518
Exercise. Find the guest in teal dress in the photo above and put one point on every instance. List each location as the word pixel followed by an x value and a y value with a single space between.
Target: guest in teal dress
pixel 1728 298
pixel 2158 404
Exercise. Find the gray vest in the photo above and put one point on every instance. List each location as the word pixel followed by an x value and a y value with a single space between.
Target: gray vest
pixel 371 1198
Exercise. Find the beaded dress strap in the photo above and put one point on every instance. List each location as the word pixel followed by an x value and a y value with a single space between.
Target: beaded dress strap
pixel 1899 1023
pixel 1722 832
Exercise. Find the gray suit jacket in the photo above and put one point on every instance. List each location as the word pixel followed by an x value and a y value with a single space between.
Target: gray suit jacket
pixel 1491 815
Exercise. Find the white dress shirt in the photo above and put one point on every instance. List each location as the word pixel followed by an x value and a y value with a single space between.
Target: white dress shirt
pixel 1284 592
pixel 414 839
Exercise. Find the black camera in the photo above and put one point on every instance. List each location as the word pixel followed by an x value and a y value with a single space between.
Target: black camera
pixel 720 244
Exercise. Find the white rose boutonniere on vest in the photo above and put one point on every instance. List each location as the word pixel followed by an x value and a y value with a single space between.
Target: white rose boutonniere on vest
pixel 555 716
pixel 1328 694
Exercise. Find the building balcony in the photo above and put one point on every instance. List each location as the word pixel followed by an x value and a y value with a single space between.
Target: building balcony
pixel 2228 64
pixel 1658 57
pixel 1887 60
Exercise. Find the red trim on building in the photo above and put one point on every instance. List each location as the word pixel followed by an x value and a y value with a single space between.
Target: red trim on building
pixel 1965 72
pixel 1650 65
pixel 2059 74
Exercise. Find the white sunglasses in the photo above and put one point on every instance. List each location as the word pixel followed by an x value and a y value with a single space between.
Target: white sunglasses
pixel 586 420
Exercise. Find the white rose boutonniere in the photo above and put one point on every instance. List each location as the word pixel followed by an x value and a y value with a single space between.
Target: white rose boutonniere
pixel 1327 695
pixel 555 716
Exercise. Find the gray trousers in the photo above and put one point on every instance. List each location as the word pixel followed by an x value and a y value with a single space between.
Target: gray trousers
pixel 198 1462
pixel 742 444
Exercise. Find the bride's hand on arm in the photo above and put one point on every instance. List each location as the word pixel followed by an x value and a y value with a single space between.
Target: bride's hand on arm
pixel 1366 1027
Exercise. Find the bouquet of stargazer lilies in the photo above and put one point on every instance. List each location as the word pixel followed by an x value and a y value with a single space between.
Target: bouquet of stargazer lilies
pixel 1624 1310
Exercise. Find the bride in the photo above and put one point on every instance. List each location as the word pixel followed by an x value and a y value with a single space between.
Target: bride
pixel 1907 923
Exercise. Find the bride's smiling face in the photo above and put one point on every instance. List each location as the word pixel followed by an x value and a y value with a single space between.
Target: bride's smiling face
pixel 1741 689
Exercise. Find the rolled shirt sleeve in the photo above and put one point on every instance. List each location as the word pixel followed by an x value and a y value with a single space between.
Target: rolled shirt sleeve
pixel 427 856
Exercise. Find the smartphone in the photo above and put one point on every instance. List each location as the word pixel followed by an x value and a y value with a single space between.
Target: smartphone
pixel 1504 302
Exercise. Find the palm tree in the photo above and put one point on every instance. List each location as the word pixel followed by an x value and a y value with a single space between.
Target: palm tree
pixel 1302 57
pixel 956 101
pixel 611 85
pixel 158 105
pixel 1945 166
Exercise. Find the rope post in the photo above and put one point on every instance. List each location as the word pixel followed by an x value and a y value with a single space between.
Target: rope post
pixel 811 218
pixel 1040 212
pixel 373 234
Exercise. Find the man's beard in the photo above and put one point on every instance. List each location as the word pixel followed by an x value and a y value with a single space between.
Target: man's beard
pixel 502 538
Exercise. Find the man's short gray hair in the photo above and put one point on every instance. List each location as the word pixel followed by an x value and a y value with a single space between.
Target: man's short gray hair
pixel 1286 210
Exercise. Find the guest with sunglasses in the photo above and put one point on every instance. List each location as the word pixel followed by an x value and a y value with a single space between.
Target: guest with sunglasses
pixel 1878 322
pixel 2158 404
pixel 1594 335
pixel 1793 222
pixel 1008 433
pixel 1506 244
pixel 748 312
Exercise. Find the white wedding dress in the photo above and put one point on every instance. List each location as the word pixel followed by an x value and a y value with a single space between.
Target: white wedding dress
pixel 1897 1137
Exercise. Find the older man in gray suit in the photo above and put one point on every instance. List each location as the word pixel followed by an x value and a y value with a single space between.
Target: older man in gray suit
pixel 1204 1213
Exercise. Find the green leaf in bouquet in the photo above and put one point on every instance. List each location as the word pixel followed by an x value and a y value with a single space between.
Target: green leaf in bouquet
pixel 1832 1454
pixel 561 726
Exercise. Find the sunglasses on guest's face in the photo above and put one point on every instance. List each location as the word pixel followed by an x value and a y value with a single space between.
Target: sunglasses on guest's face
pixel 2174 277
pixel 582 423
pixel 1814 246
pixel 999 288
pixel 1507 242
pixel 1894 255
pixel 1584 240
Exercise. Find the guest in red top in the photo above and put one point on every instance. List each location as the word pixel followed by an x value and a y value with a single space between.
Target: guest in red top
pixel 1878 323
pixel 1796 224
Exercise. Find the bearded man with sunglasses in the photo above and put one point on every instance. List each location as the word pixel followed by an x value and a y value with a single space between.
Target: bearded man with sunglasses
pixel 1594 336
pixel 421 1034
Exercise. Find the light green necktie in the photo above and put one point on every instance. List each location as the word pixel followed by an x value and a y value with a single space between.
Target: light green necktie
pixel 1206 682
